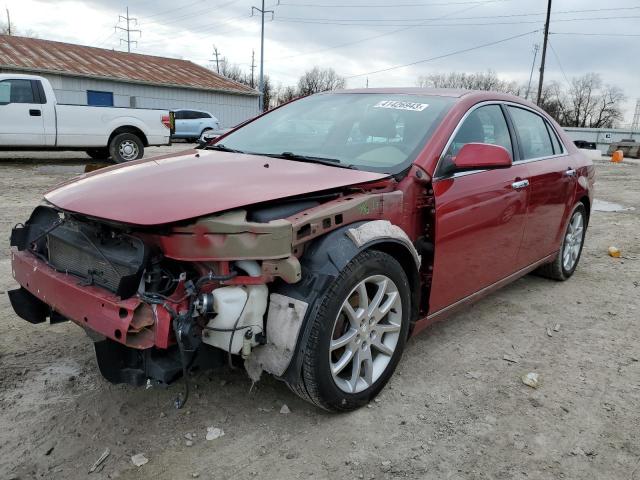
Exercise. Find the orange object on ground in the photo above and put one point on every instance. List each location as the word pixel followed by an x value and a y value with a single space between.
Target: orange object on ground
pixel 614 252
pixel 617 156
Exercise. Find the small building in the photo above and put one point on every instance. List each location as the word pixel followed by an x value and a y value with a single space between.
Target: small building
pixel 95 76
pixel 602 137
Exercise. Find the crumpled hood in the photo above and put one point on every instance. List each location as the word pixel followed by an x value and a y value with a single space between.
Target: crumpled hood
pixel 169 189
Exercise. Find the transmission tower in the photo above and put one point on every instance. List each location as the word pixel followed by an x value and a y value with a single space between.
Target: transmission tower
pixel 128 29
pixel 635 125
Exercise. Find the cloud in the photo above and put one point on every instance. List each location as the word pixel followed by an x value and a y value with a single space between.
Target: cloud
pixel 368 36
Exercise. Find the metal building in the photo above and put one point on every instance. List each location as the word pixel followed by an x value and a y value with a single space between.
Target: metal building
pixel 602 137
pixel 95 76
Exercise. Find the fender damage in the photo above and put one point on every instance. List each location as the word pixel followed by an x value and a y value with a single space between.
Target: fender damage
pixel 159 299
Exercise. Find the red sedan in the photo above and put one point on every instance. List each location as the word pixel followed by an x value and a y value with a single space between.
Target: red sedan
pixel 309 243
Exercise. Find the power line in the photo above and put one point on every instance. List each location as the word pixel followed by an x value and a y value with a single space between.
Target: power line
pixel 392 5
pixel 373 37
pixel 597 34
pixel 445 55
pixel 480 17
pixel 128 29
pixel 555 54
pixel 520 22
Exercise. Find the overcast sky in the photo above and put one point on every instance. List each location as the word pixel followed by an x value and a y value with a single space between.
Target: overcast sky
pixel 360 37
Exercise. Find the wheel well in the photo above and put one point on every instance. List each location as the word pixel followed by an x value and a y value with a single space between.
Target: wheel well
pixel 129 129
pixel 406 260
pixel 587 206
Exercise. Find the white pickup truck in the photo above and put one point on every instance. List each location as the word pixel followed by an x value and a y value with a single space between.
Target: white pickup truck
pixel 32 119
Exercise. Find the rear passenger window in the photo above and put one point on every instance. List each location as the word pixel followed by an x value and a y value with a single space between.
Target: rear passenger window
pixel 532 133
pixel 179 115
pixel 557 146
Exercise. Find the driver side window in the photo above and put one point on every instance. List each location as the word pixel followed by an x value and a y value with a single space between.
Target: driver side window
pixel 483 125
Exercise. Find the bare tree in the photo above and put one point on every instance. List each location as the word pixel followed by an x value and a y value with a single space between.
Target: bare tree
pixel 593 104
pixel 319 80
pixel 233 72
pixel 488 80
pixel 267 93
pixel 284 94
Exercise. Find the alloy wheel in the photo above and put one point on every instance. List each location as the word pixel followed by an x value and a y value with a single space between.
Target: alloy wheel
pixel 365 334
pixel 573 241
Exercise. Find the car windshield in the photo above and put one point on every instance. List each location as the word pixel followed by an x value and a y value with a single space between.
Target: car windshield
pixel 375 132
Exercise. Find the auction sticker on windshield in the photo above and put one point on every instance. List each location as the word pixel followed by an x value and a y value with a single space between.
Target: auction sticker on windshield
pixel 398 105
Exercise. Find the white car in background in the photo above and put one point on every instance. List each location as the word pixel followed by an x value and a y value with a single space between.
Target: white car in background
pixel 32 119
pixel 192 124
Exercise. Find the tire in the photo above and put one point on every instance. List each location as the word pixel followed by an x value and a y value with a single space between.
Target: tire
pixel 98 153
pixel 126 147
pixel 572 242
pixel 328 378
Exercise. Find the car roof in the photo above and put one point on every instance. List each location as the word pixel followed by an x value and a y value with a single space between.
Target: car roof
pixel 471 96
pixel 440 92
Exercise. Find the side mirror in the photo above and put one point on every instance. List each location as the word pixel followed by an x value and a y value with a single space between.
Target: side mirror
pixel 482 156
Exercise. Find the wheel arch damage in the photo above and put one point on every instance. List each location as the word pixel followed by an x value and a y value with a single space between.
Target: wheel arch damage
pixel 292 305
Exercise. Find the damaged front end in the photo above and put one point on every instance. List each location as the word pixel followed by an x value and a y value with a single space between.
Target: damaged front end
pixel 159 301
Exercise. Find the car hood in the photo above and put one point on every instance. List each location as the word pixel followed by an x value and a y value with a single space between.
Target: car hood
pixel 191 184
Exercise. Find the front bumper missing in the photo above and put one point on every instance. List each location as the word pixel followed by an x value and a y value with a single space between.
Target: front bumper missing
pixel 46 293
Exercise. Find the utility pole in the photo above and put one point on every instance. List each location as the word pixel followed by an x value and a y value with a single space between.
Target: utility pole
pixel 261 82
pixel 128 19
pixel 8 21
pixel 253 67
pixel 536 47
pixel 216 53
pixel 544 52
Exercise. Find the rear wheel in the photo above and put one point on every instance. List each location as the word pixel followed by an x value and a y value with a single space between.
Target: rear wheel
pixel 568 257
pixel 98 153
pixel 125 147
pixel 357 334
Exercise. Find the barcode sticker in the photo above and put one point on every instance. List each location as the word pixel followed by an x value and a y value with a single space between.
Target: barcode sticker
pixel 398 105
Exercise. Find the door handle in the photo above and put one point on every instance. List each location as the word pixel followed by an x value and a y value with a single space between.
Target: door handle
pixel 519 185
pixel 570 172
pixel 35 113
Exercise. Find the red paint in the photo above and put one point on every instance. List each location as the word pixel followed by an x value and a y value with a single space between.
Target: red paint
pixel 160 191
pixel 486 232
pixel 481 155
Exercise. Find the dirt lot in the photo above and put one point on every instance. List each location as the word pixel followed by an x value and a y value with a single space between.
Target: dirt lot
pixel 454 410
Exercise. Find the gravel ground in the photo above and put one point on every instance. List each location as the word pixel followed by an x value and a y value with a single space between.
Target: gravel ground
pixel 455 408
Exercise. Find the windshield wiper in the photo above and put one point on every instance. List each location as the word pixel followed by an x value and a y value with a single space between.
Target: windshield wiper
pixel 333 162
pixel 222 148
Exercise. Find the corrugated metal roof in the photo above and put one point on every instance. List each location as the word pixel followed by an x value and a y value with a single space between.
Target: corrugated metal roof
pixel 37 55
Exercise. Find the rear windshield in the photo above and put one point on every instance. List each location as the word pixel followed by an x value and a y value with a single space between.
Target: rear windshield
pixel 374 132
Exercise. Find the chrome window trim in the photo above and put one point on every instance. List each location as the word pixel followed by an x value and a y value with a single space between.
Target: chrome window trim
pixel 519 162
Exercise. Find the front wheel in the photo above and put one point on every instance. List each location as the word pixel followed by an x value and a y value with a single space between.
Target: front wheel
pixel 568 257
pixel 125 147
pixel 357 334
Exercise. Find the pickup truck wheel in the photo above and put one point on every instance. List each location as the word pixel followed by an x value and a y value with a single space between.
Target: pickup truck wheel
pixel 98 153
pixel 568 257
pixel 357 336
pixel 125 147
